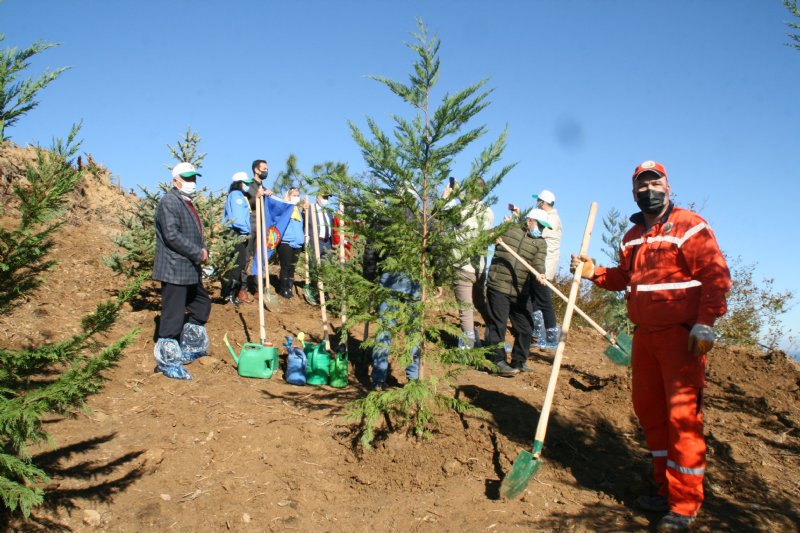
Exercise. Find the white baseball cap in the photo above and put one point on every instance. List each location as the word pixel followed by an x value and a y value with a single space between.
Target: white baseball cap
pixel 546 196
pixel 184 170
pixel 242 176
pixel 540 216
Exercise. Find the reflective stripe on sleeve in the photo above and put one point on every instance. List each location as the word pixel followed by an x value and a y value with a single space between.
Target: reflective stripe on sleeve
pixel 683 470
pixel 659 453
pixel 677 241
pixel 634 242
pixel 667 286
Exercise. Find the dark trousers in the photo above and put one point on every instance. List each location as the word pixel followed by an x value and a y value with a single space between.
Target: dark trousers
pixel 288 257
pixel 501 308
pixel 175 301
pixel 543 301
pixel 235 279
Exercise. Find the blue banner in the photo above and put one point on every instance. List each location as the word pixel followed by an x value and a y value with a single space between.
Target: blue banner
pixel 277 214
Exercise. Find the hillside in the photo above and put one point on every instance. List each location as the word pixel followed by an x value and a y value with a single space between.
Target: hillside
pixel 228 453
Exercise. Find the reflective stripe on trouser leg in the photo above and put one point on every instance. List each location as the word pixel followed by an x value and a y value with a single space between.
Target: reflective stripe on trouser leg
pixel 667 391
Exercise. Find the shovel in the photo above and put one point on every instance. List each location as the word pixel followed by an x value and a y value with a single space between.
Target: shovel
pixel 342 352
pixel 308 290
pixel 320 283
pixel 620 349
pixel 259 268
pixel 528 463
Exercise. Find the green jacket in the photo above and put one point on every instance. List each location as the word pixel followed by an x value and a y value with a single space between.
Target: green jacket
pixel 507 275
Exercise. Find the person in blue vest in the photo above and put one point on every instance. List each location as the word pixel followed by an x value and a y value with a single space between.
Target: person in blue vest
pixel 292 242
pixel 236 217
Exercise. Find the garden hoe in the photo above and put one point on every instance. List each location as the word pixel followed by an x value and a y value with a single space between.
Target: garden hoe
pixel 528 463
pixel 620 349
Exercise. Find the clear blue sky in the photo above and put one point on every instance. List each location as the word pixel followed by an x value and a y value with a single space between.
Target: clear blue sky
pixel 587 89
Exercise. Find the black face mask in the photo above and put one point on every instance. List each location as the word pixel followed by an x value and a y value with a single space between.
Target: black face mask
pixel 651 202
pixel 263 174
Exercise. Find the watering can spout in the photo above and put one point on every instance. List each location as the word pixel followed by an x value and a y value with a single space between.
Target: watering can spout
pixel 230 348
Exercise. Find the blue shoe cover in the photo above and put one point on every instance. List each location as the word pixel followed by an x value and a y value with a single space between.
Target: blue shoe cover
pixel 194 342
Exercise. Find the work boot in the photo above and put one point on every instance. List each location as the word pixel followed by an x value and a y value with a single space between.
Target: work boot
pixel 653 504
pixel 244 297
pixel 523 367
pixel 550 340
pixel 673 521
pixel 505 370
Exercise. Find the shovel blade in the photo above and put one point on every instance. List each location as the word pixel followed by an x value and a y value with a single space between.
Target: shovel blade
pixel 310 295
pixel 524 468
pixel 620 351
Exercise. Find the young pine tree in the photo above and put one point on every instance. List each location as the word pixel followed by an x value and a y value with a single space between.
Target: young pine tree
pixel 73 366
pixel 290 176
pixel 18 98
pixel 414 233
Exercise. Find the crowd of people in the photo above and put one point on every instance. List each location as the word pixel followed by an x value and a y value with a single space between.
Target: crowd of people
pixel 671 269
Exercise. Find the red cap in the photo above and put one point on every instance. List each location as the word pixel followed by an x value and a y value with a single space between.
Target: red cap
pixel 650 166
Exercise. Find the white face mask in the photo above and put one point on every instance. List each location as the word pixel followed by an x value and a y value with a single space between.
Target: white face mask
pixel 323 202
pixel 294 200
pixel 189 188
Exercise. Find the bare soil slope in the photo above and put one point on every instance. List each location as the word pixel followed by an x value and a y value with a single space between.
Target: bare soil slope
pixel 223 452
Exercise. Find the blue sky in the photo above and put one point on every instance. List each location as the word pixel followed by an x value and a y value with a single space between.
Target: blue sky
pixel 587 89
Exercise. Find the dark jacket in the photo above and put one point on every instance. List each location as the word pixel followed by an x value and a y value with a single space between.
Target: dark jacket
pixel 179 242
pixel 509 276
pixel 251 193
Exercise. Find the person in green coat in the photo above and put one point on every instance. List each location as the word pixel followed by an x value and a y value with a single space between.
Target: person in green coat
pixel 508 290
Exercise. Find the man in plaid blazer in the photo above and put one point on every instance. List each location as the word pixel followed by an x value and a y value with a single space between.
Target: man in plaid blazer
pixel 180 252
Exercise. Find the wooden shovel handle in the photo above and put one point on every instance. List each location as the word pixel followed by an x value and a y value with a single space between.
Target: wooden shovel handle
pixel 320 283
pixel 553 288
pixel 259 258
pixel 541 428
pixel 305 248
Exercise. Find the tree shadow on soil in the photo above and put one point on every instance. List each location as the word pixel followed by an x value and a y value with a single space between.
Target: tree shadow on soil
pixel 617 467
pixel 82 480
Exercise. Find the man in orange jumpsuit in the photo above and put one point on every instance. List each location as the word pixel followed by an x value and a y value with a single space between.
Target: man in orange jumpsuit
pixel 675 279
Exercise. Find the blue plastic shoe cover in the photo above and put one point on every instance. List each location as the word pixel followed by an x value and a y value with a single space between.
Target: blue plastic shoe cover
pixel 194 342
pixel 168 356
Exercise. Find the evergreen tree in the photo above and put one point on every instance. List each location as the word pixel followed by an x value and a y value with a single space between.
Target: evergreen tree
pixel 290 176
pixel 23 250
pixel 19 97
pixel 791 5
pixel 185 151
pixel 615 315
pixel 399 212
pixel 73 366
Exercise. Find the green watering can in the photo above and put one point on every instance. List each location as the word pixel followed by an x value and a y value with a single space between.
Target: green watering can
pixel 256 360
pixel 318 364
pixel 338 371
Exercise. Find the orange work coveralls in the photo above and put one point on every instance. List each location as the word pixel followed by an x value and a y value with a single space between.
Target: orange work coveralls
pixel 674 276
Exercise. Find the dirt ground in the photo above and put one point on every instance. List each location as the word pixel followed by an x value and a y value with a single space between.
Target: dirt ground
pixel 222 452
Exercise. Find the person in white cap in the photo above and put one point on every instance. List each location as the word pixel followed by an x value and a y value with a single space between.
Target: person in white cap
pixel 237 218
pixel 545 328
pixel 675 279
pixel 180 254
